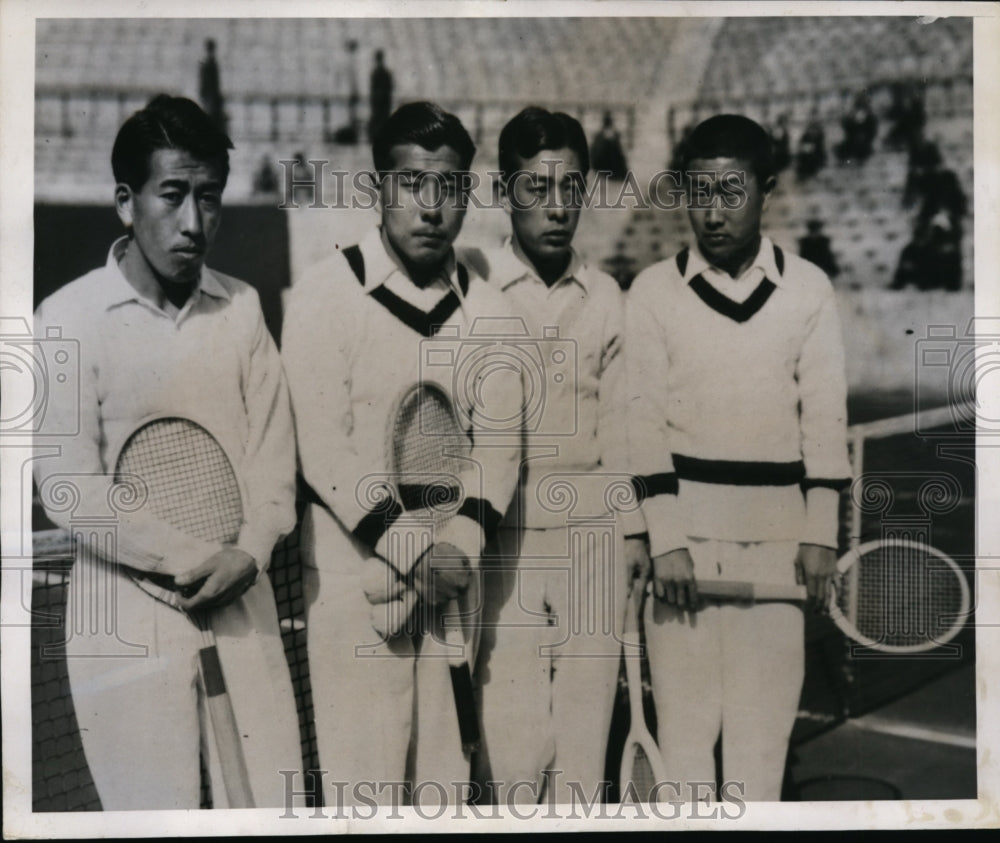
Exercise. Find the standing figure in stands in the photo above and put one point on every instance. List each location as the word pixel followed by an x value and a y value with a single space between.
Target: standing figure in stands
pixel 907 116
pixel 677 141
pixel 815 248
pixel 160 334
pixel 737 414
pixel 607 155
pixel 933 257
pixel 210 87
pixel 860 127
pixel 782 143
pixel 811 155
pixel 379 95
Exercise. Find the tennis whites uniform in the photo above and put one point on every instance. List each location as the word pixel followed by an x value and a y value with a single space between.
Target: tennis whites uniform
pixel 133 661
pixel 737 429
pixel 357 333
pixel 555 588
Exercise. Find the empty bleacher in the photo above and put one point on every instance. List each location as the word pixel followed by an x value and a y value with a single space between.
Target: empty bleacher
pixel 288 82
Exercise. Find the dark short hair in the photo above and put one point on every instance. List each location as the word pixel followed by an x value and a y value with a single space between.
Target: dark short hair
pixel 731 136
pixel 427 125
pixel 167 123
pixel 534 129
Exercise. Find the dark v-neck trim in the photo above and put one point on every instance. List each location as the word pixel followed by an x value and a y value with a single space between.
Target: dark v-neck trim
pixel 737 311
pixel 425 324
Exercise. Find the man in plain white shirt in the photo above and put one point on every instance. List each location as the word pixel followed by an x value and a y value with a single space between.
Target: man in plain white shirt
pixel 554 592
pixel 159 334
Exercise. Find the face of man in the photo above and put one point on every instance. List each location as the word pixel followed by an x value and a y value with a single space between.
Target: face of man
pixel 544 198
pixel 174 217
pixel 726 205
pixel 423 205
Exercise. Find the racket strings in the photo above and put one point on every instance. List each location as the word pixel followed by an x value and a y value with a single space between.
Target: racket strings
pixel 188 478
pixel 428 446
pixel 902 596
pixel 641 776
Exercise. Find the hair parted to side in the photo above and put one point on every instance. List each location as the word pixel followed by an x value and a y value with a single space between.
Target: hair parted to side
pixel 167 123
pixel 732 136
pixel 534 129
pixel 425 124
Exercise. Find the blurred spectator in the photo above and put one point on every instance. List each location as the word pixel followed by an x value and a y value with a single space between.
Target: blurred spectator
pixel 265 179
pixel 815 247
pixel 923 158
pixel 782 144
pixel 606 153
pixel 932 259
pixel 379 95
pixel 210 88
pixel 860 127
pixel 621 266
pixel 907 116
pixel 677 143
pixel 345 84
pixel 811 155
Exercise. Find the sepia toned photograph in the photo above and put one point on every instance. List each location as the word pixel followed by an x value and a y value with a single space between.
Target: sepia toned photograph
pixel 557 417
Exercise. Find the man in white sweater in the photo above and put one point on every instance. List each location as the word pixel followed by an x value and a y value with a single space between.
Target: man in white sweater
pixel 737 420
pixel 396 309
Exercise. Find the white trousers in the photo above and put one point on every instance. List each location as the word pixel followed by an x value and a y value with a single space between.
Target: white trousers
pixel 729 667
pixel 553 605
pixel 384 711
pixel 139 700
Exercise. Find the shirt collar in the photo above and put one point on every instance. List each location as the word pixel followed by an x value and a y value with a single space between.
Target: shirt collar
pixel 764 260
pixel 117 290
pixel 382 261
pixel 514 266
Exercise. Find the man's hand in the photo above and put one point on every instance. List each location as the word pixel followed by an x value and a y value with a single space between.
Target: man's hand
pixel 673 579
pixel 638 565
pixel 380 581
pixel 442 574
pixel 219 580
pixel 815 566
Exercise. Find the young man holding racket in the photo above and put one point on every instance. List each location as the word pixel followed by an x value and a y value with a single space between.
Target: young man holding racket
pixel 555 590
pixel 361 329
pixel 737 426
pixel 160 335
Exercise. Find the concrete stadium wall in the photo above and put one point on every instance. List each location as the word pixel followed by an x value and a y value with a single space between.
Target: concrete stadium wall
pixel 252 245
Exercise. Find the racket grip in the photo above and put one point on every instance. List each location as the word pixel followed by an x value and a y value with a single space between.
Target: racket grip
pixel 228 743
pixel 747 592
pixel 461 681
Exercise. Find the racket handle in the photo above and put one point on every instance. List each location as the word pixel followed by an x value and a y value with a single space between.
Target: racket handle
pixel 461 681
pixel 748 592
pixel 228 743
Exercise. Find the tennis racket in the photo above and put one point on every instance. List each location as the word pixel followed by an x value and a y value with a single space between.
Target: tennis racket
pixel 427 455
pixel 642 766
pixel 190 484
pixel 891 595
